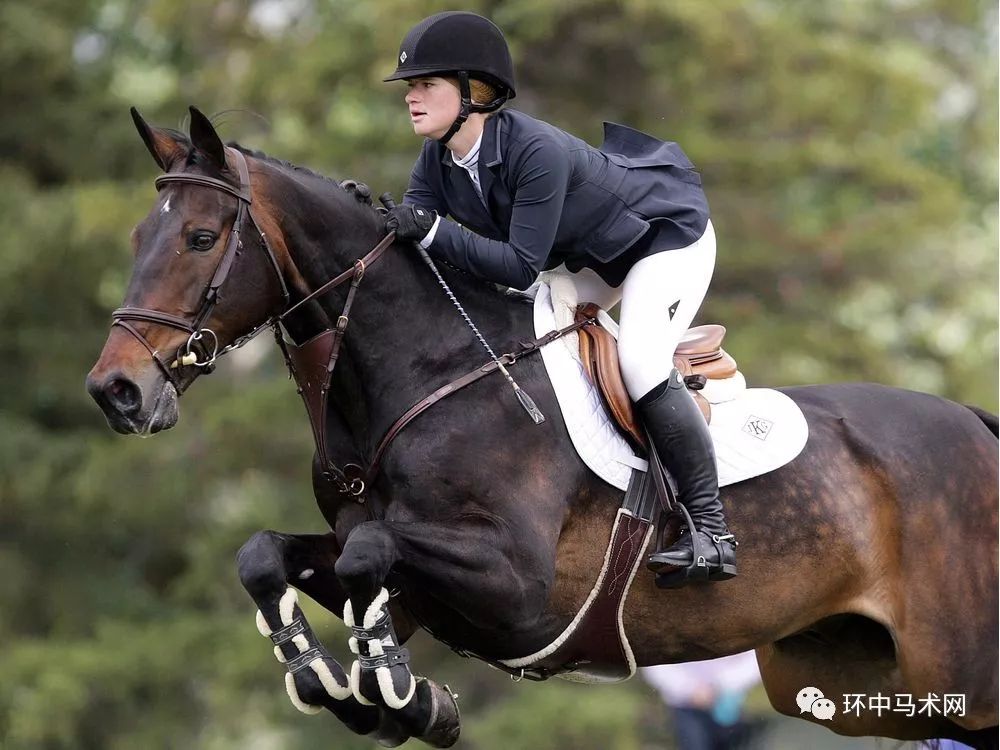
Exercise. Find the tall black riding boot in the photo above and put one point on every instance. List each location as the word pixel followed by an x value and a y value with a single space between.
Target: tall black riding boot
pixel 682 441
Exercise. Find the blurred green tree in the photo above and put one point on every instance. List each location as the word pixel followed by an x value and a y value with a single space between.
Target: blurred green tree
pixel 849 152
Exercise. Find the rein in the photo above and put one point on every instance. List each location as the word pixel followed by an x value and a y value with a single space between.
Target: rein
pixel 311 364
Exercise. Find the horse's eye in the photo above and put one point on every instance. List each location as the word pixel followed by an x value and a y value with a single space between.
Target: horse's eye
pixel 202 241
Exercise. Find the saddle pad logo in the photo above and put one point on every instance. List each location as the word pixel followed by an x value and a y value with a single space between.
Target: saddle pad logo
pixel 758 427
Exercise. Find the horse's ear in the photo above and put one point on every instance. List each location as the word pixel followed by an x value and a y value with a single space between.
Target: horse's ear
pixel 205 139
pixel 161 144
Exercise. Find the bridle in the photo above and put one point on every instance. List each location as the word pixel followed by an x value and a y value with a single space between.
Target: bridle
pixel 321 351
pixel 198 332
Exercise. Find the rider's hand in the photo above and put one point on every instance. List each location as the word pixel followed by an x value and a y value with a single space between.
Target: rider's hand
pixel 409 222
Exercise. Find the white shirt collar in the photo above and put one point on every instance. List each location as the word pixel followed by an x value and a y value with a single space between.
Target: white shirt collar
pixel 471 158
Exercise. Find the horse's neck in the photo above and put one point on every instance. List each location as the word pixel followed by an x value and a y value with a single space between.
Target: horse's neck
pixel 405 338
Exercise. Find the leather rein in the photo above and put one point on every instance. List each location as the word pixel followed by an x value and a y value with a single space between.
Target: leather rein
pixel 351 480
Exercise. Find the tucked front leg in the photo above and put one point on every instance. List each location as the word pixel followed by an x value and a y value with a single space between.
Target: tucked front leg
pixel 465 565
pixel 267 563
pixel 381 673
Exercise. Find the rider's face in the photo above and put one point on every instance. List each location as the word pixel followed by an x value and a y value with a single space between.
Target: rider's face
pixel 434 104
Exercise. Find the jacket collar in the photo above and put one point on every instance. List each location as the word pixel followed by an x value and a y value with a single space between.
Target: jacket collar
pixel 490 149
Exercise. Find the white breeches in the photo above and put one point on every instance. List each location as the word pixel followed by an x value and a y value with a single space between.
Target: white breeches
pixel 659 298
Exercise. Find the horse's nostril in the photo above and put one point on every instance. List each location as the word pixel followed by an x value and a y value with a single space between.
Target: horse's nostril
pixel 123 395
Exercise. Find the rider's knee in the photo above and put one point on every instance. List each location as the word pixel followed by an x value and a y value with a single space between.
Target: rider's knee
pixel 636 364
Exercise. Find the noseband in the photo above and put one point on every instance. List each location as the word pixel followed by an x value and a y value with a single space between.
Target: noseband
pixel 197 332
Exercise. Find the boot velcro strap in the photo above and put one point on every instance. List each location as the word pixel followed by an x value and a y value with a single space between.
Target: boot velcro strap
pixel 376 632
pixel 392 657
pixel 302 660
pixel 285 634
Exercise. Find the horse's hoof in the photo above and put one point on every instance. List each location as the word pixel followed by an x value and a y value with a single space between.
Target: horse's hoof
pixel 390 732
pixel 445 723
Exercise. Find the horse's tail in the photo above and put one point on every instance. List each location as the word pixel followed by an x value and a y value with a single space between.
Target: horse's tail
pixel 990 420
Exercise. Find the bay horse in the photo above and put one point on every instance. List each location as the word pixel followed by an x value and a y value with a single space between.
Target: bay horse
pixel 868 565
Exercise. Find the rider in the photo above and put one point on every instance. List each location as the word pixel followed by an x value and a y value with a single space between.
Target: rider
pixel 629 220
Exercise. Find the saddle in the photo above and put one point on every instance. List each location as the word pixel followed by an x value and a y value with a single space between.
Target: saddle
pixel 699 358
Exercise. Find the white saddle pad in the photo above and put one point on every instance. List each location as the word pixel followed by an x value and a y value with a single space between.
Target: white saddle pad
pixel 755 430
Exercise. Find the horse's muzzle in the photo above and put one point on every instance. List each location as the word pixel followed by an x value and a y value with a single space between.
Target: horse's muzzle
pixel 129 408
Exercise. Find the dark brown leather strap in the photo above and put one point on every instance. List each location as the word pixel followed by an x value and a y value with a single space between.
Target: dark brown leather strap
pixel 370 259
pixel 242 192
pixel 596 643
pixel 152 352
pixel 456 385
pixel 151 316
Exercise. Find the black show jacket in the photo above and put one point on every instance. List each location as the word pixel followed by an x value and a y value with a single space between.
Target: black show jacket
pixel 553 198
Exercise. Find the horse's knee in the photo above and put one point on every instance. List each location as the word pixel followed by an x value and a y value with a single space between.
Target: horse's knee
pixel 367 556
pixel 261 565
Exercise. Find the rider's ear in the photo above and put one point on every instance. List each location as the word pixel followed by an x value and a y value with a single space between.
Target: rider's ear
pixel 162 144
pixel 205 139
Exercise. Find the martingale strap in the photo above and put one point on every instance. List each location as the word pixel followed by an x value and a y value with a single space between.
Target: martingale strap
pixel 529 347
pixel 311 365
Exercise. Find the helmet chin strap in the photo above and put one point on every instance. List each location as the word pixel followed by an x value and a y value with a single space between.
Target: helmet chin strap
pixel 464 111
pixel 468 107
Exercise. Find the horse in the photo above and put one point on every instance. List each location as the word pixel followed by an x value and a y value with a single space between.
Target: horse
pixel 868 565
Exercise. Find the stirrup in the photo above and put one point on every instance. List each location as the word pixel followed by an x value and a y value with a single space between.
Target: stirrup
pixel 698 570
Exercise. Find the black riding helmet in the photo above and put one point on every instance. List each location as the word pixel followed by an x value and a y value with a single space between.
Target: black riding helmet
pixel 462 44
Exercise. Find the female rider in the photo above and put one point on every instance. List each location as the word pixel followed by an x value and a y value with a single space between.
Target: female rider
pixel 628 220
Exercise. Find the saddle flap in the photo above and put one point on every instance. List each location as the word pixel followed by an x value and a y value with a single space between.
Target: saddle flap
pixel 700 353
pixel 600 358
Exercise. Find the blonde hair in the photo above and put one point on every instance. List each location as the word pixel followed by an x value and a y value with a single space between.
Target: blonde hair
pixel 482 92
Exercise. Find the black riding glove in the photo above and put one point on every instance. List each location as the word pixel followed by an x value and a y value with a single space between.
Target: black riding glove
pixel 409 222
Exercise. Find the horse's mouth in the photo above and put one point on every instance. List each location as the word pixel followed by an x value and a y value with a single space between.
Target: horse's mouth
pixel 163 415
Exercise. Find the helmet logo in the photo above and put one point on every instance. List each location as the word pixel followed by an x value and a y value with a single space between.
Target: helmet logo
pixel 402 57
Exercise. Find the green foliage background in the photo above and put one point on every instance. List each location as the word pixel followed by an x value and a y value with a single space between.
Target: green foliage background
pixel 849 151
